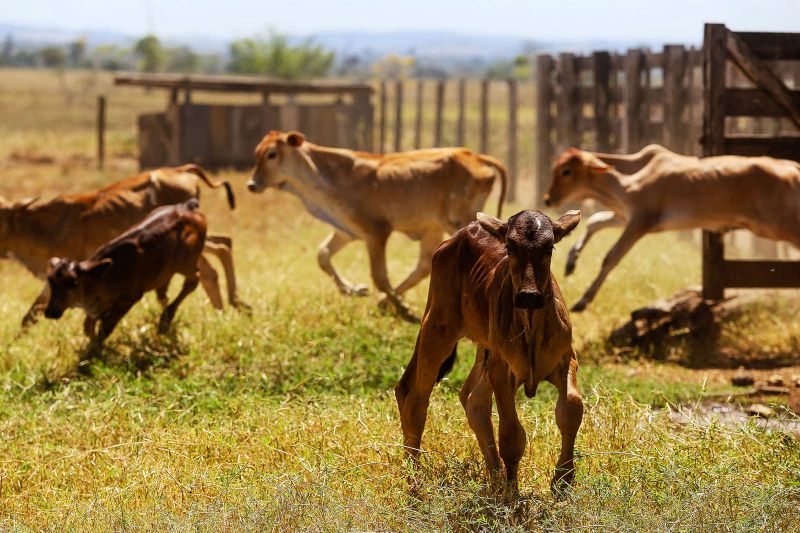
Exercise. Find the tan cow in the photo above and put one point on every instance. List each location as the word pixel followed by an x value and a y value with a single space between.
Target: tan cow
pixel 677 192
pixel 75 225
pixel 422 193
pixel 491 283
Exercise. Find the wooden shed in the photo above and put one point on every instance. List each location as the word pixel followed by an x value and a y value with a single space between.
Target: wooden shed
pixel 224 134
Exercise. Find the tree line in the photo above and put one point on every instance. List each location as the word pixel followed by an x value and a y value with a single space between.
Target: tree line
pixel 273 55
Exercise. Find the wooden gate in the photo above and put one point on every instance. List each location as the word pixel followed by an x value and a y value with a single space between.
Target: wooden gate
pixel 770 97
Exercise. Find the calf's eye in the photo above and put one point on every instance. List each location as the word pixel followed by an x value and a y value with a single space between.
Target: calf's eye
pixel 272 155
pixel 566 172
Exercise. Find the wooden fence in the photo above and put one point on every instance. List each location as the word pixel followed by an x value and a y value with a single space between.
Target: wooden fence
pixel 491 116
pixel 768 95
pixel 617 103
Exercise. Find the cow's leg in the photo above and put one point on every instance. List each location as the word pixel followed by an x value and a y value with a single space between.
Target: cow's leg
pixel 512 434
pixel 436 342
pixel 161 295
pixel 596 222
pixel 427 246
pixel 569 413
pixel 376 247
pixel 327 249
pixel 476 397
pixel 189 284
pixel 90 326
pixel 633 232
pixel 222 247
pixel 37 307
pixel 210 281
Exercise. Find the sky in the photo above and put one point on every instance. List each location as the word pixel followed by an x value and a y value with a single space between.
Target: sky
pixel 679 21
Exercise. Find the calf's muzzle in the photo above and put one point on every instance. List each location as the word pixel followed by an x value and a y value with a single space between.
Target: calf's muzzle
pixel 53 313
pixel 528 299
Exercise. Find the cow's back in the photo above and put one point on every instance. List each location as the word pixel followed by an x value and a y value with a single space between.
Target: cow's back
pixel 145 257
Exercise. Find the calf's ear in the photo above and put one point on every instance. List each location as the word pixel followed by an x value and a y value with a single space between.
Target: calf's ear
pixel 493 225
pixel 95 268
pixel 295 138
pixel 564 225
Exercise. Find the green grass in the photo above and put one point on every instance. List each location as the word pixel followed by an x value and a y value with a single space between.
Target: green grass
pixel 285 419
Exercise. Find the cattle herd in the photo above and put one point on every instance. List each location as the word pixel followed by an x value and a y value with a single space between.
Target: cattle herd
pixel 490 281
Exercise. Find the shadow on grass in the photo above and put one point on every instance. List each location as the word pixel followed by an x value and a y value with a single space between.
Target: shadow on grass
pixel 133 352
pixel 754 332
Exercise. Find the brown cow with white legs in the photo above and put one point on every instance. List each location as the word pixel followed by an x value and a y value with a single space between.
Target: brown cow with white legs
pixel 491 283
pixel 75 225
pixel 144 258
pixel 422 193
pixel 677 192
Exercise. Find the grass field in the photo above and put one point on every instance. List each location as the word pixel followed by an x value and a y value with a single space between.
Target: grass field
pixel 285 419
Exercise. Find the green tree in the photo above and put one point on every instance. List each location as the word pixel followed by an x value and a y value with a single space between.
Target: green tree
pixel 182 59
pixel 53 56
pixel 275 56
pixel 148 49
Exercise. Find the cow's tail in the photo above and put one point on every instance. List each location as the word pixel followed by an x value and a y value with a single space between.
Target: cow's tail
pixel 447 366
pixel 198 171
pixel 503 172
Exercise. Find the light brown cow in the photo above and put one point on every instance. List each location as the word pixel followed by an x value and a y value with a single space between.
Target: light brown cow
pixel 75 225
pixel 491 282
pixel 422 193
pixel 626 164
pixel 677 192
pixel 143 258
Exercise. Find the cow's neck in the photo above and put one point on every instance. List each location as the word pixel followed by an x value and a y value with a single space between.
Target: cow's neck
pixel 31 229
pixel 611 190
pixel 320 188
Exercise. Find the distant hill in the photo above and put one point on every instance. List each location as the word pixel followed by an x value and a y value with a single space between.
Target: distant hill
pixel 427 45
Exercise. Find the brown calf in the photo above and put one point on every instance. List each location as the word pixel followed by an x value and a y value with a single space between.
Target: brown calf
pixel 76 225
pixel 491 283
pixel 117 275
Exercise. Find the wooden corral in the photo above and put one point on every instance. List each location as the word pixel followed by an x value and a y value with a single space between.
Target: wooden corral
pixel 754 55
pixel 224 135
pixel 617 103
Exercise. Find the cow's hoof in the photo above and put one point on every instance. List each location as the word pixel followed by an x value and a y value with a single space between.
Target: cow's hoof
pixel 164 323
pixel 562 482
pixel 242 306
pixel 388 304
pixel 357 290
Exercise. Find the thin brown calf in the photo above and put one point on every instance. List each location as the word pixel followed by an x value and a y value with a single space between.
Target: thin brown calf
pixel 117 275
pixel 491 283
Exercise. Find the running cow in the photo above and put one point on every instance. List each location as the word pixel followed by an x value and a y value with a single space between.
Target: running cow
pixel 75 225
pixel 678 192
pixel 116 276
pixel 422 193
pixel 491 283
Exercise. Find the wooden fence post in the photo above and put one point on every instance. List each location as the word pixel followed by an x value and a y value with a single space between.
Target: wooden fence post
pixel 544 125
pixel 382 119
pixel 632 130
pixel 569 108
pixel 714 60
pixel 398 116
pixel 602 72
pixel 512 140
pixel 484 146
pixel 418 123
pixel 101 131
pixel 439 110
pixel 675 137
pixel 462 97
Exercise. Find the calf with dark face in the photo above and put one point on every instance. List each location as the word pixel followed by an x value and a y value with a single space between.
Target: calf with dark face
pixel 491 283
pixel 168 242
